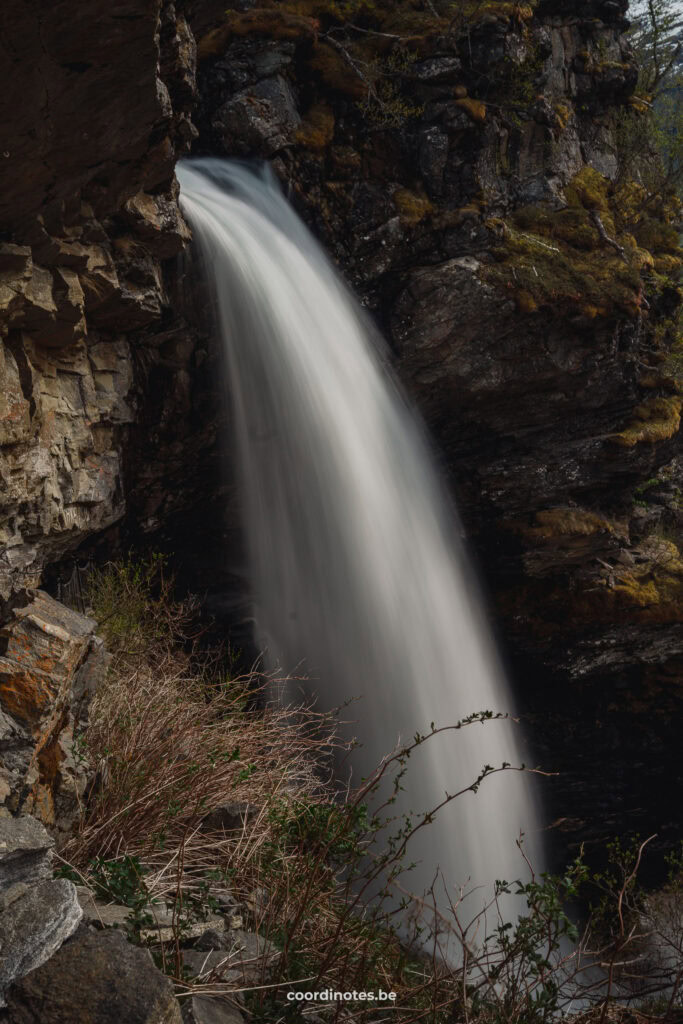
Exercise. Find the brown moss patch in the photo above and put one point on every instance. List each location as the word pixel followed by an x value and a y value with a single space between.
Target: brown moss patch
pixel 412 207
pixel 657 419
pixel 474 108
pixel 652 591
pixel 273 22
pixel 525 302
pixel 317 128
pixel 570 521
pixel 336 73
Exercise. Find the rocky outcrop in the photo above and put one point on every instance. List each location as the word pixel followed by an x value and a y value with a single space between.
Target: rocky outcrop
pixel 35 922
pixel 51 665
pixel 95 111
pixel 476 199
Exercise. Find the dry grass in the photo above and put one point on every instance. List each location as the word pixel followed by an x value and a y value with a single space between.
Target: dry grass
pixel 172 739
pixel 169 749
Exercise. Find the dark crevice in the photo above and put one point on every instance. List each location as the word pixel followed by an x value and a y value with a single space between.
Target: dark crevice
pixel 79 66
pixel 16 348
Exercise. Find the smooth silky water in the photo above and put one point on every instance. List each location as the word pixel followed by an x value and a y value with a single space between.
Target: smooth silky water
pixel 358 575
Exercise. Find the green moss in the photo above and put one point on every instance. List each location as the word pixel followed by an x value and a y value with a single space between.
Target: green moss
pixel 655 587
pixel 475 10
pixel 588 189
pixel 557 264
pixel 560 259
pixel 563 114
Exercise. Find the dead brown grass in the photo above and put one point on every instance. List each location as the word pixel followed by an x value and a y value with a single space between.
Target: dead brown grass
pixel 172 738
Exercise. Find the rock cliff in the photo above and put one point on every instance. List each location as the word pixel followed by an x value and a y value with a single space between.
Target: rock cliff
pixel 94 114
pixel 463 170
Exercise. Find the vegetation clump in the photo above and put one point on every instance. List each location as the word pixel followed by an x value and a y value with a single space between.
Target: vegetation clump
pixel 412 207
pixel 317 128
pixel 587 257
pixel 656 419
pixel 174 737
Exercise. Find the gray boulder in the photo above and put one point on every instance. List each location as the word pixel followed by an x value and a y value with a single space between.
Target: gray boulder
pixel 96 978
pixel 34 923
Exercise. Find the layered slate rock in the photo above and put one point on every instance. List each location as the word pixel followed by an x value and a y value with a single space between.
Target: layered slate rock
pixel 96 104
pixel 51 666
pixel 96 978
pixel 25 851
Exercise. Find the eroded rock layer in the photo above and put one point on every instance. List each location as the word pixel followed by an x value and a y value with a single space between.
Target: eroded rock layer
pixel 94 113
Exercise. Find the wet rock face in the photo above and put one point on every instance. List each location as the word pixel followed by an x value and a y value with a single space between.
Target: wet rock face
pixel 536 352
pixel 50 667
pixel 96 103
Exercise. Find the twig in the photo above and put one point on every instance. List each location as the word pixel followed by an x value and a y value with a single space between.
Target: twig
pixel 597 220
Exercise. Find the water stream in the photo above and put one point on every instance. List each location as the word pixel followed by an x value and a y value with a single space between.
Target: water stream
pixel 358 575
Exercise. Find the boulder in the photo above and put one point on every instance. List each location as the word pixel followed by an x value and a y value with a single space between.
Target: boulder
pixel 34 922
pixel 103 915
pixel 229 817
pixel 263 117
pixel 96 978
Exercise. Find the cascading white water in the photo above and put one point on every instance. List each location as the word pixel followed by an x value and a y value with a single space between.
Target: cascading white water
pixel 357 571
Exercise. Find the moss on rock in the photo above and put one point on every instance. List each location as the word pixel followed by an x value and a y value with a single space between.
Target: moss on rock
pixel 317 128
pixel 412 206
pixel 476 109
pixel 588 257
pixel 657 419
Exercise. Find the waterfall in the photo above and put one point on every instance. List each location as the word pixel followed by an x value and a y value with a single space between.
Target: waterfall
pixel 358 575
